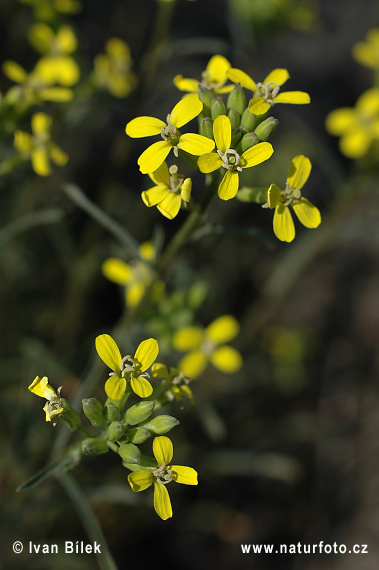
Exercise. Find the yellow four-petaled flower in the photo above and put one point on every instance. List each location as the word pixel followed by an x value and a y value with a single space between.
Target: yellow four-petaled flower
pixel 42 388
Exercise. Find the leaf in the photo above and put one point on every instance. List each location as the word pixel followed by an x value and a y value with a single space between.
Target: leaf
pixel 65 463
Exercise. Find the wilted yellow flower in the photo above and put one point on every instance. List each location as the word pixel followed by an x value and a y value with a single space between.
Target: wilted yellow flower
pixel 213 78
pixel 53 407
pixel 307 213
pixel 161 476
pixel 357 126
pixel 38 146
pixel 113 68
pixel 367 53
pixel 127 369
pixel 178 382
pixel 208 345
pixel 170 190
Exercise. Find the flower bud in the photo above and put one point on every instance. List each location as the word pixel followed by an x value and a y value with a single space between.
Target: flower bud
pixel 92 446
pixel 267 128
pixel 138 435
pixel 217 108
pixel 237 136
pixel 115 431
pixel 206 96
pixel 206 128
pixel 94 411
pixel 129 453
pixel 247 141
pixel 111 413
pixel 139 412
pixel 249 120
pixel 234 118
pixel 160 424
pixel 237 99
pixel 69 415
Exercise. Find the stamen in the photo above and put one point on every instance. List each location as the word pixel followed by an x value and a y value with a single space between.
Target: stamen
pixel 230 159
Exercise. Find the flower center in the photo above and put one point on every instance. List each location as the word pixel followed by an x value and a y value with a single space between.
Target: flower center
pixel 268 91
pixel 230 159
pixel 290 195
pixel 171 134
pixel 163 474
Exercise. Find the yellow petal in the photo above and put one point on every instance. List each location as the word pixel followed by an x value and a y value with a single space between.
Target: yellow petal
pixel 186 110
pixel 278 76
pixel 140 480
pixel 273 196
pixel 163 450
pixel 23 141
pixel 256 154
pixel 41 37
pixel 117 270
pixel 115 387
pixel 186 189
pixel 63 70
pixel 184 475
pixel 57 155
pixel 144 127
pixel 56 94
pixel 153 156
pixel 141 386
pixel 284 228
pixel 258 106
pixel 299 171
pixel 222 131
pixel 188 338
pixel 109 352
pixel 118 49
pixel 368 102
pixel 147 251
pixel 153 196
pixel 160 371
pixel 170 205
pixel 134 294
pixel 162 503
pixel 66 40
pixel 41 123
pixel 226 359
pixel 14 71
pixel 341 120
pixel 186 84
pixel 195 144
pixel 307 213
pixel 228 187
pixel 217 68
pixel 241 77
pixel 161 175
pixel 41 388
pixel 294 97
pixel 209 162
pixel 355 144
pixel 223 329
pixel 193 364
pixel 40 161
pixel 145 355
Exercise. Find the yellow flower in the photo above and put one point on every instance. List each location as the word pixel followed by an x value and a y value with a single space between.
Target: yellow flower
pixel 306 212
pixel 213 78
pixel 183 112
pixel 53 407
pixel 39 147
pixel 171 188
pixel 267 94
pixel 127 369
pixel 136 276
pixel 56 65
pixel 177 381
pixel 112 69
pixel 229 159
pixel 33 87
pixel 46 10
pixel 162 476
pixel 358 127
pixel 367 53
pixel 206 345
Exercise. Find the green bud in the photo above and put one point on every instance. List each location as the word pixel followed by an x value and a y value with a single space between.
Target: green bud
pixel 266 129
pixel 160 424
pixel 206 96
pixel 234 118
pixel 92 446
pixel 111 413
pixel 249 120
pixel 237 136
pixel 115 431
pixel 237 99
pixel 94 411
pixel 139 412
pixel 217 108
pixel 129 453
pixel 247 141
pixel 69 415
pixel 138 435
pixel 206 128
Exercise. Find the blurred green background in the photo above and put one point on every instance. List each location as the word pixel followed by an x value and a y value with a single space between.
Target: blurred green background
pixel 287 449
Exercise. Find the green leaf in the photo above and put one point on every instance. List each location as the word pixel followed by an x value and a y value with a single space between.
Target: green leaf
pixel 65 463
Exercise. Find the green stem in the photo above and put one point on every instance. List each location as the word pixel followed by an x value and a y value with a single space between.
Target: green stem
pixel 88 519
